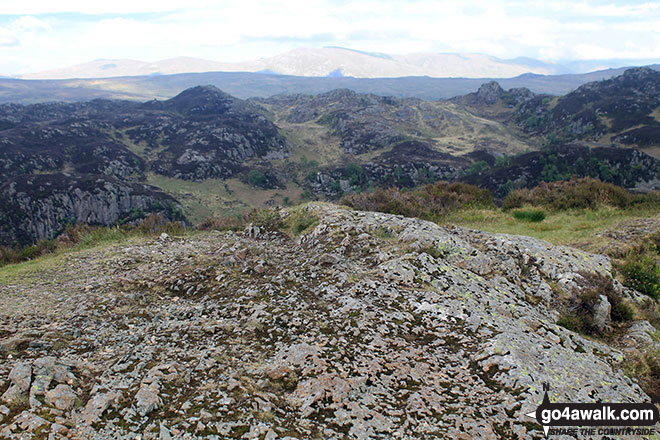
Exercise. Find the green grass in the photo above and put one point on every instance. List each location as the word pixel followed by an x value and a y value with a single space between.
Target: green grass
pixel 530 215
pixel 576 228
pixel 30 271
pixel 220 198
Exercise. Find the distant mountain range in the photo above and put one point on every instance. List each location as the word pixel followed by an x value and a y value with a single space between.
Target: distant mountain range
pixel 338 62
pixel 246 85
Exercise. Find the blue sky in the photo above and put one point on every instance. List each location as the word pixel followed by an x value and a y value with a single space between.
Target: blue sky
pixel 40 35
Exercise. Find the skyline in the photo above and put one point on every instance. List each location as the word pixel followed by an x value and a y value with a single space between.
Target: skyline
pixel 39 35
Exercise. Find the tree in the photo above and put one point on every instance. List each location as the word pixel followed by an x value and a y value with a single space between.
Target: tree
pixel 256 178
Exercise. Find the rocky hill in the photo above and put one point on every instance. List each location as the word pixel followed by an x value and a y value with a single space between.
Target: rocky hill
pixel 364 326
pixel 218 155
pixel 624 167
pixel 621 110
pixel 200 134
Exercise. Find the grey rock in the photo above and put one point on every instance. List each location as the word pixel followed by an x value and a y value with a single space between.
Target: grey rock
pixel 97 405
pixel 164 433
pixel 639 335
pixel 30 422
pixel 147 399
pixel 20 378
pixel 44 371
pixel 601 313
pixel 14 343
pixel 61 397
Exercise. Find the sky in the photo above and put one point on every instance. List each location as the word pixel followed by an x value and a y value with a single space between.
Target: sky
pixel 47 34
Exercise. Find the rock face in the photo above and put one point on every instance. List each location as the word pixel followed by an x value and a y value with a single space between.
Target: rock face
pixel 342 332
pixel 33 207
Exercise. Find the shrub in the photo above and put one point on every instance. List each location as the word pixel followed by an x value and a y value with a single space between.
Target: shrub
pixel 300 220
pixel 654 242
pixel 621 311
pixel 235 223
pixel 645 367
pixel 156 224
pixel 515 199
pixel 9 255
pixel 572 322
pixel 429 202
pixel 580 312
pixel 256 178
pixel 476 167
pixel 574 194
pixel 530 215
pixel 269 219
pixel 603 285
pixel 640 272
pixel 355 174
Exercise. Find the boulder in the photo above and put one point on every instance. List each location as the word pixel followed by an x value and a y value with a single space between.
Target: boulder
pixel 61 397
pixel 20 378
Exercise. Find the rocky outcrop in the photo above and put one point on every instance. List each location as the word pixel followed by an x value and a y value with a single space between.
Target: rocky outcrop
pixel 621 107
pixel 626 167
pixel 75 146
pixel 33 207
pixel 363 122
pixel 200 133
pixel 365 326
pixel 407 164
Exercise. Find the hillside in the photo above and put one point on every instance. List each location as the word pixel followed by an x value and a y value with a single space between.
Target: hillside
pixel 342 324
pixel 622 110
pixel 216 155
pixel 200 134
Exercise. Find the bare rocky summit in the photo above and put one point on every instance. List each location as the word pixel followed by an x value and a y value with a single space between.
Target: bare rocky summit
pixel 365 326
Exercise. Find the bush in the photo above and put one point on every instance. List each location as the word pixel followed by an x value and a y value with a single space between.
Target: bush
pixel 235 223
pixel 268 219
pixel 355 174
pixel 579 314
pixel 515 199
pixel 430 202
pixel 299 221
pixel 645 367
pixel 156 224
pixel 257 178
pixel 640 272
pixel 574 194
pixel 9 255
pixel 621 312
pixel 654 242
pixel 530 215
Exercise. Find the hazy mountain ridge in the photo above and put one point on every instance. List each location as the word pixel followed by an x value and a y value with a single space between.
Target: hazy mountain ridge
pixel 317 62
pixel 339 61
pixel 246 85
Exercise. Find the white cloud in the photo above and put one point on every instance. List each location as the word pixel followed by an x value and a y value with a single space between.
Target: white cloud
pixel 249 29
pixel 34 7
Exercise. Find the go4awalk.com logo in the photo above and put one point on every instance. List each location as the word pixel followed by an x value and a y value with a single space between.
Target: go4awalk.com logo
pixel 595 418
